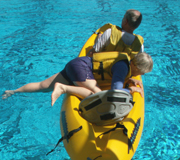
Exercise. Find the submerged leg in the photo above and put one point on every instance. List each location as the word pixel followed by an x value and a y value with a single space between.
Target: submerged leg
pixel 43 86
pixel 7 94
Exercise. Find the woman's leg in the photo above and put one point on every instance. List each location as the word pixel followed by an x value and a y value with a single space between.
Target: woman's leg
pixel 43 86
pixel 82 90
pixel 90 84
pixel 60 88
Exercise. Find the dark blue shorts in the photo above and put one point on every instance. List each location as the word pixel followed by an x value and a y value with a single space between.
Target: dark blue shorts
pixel 78 69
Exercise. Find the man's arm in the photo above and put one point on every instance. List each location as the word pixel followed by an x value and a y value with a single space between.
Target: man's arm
pixel 101 42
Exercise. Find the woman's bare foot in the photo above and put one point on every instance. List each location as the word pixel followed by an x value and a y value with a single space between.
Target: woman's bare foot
pixel 7 94
pixel 58 90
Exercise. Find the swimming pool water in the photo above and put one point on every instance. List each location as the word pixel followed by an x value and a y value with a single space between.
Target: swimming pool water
pixel 37 39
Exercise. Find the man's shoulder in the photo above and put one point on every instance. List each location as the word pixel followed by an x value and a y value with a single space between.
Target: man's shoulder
pixel 141 39
pixel 117 27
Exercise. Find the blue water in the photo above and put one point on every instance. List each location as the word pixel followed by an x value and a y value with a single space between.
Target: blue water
pixel 37 39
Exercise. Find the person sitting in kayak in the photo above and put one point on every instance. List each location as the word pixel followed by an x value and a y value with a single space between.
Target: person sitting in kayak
pixel 79 72
pixel 121 39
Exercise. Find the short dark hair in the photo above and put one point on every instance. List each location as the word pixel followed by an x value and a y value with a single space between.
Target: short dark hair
pixel 133 17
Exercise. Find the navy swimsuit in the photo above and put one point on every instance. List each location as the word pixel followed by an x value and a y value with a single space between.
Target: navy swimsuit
pixel 80 69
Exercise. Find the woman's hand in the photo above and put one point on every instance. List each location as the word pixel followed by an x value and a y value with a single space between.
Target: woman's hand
pixel 137 89
pixel 135 82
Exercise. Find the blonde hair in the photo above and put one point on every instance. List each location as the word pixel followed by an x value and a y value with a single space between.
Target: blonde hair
pixel 143 62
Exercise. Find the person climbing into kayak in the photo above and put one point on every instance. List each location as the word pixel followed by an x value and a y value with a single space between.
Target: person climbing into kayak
pixel 120 70
pixel 77 77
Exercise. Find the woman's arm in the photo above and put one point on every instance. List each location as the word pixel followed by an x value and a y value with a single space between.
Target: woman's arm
pixel 120 71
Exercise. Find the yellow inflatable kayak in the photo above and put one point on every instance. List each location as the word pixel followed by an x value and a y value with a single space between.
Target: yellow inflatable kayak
pixel 86 141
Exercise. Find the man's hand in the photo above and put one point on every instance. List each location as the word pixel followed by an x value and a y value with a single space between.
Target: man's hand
pixel 90 53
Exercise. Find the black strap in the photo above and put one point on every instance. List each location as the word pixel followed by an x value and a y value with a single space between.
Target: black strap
pixel 97 157
pixel 94 158
pixel 132 102
pixel 108 116
pixel 118 125
pixel 125 131
pixel 68 136
pixel 97 33
pixel 93 104
pixel 101 70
